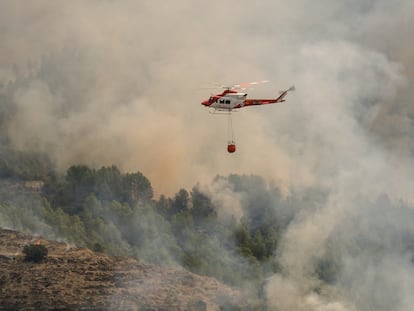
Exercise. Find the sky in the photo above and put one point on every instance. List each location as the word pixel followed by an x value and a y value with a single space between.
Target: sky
pixel 121 82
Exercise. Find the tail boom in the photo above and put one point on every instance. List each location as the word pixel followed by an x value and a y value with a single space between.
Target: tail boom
pixel 280 99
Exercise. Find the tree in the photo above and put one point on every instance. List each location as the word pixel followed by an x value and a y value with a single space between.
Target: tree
pixel 203 209
pixel 80 182
pixel 163 205
pixel 108 183
pixel 180 202
pixel 136 187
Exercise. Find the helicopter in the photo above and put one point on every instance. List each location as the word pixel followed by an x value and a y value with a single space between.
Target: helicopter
pixel 233 98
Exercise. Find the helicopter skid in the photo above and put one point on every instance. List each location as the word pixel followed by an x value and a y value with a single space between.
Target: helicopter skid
pixel 220 111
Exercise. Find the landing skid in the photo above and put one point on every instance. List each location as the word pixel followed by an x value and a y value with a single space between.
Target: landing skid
pixel 220 111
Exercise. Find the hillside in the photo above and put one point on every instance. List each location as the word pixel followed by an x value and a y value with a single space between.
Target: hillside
pixel 74 278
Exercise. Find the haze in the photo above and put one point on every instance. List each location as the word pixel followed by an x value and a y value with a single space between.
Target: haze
pixel 120 82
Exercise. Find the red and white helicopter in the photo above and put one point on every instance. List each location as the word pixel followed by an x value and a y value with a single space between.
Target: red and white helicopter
pixel 232 98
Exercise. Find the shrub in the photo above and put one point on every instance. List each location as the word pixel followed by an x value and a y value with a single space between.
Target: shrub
pixel 97 247
pixel 35 253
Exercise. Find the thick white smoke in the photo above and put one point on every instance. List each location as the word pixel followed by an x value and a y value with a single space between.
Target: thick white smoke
pixel 117 82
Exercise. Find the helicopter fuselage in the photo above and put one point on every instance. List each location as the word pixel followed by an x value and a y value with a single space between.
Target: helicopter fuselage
pixel 227 100
pixel 232 99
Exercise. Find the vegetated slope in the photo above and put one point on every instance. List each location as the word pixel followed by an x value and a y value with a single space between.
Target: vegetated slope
pixel 72 278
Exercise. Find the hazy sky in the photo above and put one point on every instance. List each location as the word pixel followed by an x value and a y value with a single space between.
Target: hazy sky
pixel 120 82
pixel 129 78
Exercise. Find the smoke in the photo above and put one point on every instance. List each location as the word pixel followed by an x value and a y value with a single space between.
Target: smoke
pixel 105 82
pixel 118 83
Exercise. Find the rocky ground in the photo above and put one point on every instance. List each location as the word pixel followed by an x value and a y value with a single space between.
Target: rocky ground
pixel 72 278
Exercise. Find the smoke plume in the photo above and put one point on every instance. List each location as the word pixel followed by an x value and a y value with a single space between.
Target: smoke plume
pixel 119 82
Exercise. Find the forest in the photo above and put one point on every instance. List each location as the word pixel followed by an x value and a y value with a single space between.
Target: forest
pixel 114 212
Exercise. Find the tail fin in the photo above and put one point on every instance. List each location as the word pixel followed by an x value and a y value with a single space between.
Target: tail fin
pixel 284 93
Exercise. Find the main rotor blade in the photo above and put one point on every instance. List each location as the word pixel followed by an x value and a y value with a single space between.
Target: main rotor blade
pixel 248 84
pixel 240 86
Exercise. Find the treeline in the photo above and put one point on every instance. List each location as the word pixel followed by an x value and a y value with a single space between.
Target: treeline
pixel 232 233
pixel 104 184
pixel 22 165
pixel 110 211
pixel 114 212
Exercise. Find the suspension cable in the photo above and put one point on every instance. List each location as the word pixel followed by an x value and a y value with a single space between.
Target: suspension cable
pixel 230 129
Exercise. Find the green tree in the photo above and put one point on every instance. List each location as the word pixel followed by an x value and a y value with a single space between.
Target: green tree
pixel 108 183
pixel 180 203
pixel 203 209
pixel 80 182
pixel 163 205
pixel 136 188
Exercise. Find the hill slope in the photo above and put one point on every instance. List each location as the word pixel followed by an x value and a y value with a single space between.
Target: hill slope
pixel 76 278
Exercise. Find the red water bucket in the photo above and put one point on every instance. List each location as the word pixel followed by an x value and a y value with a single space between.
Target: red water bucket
pixel 231 147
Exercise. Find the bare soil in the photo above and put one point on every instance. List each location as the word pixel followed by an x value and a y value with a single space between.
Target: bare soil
pixel 73 278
